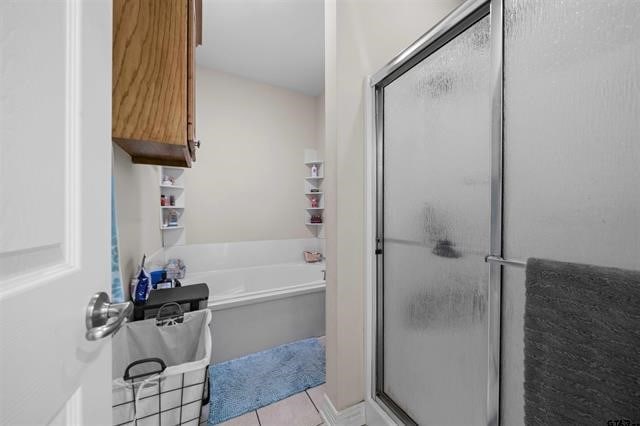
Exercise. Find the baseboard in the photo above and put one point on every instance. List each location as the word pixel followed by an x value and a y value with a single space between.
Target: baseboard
pixel 350 416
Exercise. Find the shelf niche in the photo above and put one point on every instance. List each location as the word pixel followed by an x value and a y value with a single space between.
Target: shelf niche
pixel 313 181
pixel 172 184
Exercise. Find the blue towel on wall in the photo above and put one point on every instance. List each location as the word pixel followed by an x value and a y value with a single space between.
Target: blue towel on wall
pixel 117 292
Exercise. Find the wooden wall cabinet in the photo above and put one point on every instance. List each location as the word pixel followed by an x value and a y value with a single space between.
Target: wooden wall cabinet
pixel 153 109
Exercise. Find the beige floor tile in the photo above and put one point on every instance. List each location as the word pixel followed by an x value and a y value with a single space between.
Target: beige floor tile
pixel 317 395
pixel 297 410
pixel 248 419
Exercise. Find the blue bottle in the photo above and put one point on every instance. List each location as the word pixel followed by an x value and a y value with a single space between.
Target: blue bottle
pixel 143 288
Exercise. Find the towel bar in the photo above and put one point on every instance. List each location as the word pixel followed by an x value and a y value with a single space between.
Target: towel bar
pixel 507 262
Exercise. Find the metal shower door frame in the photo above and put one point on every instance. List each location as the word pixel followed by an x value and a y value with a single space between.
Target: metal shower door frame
pixel 450 27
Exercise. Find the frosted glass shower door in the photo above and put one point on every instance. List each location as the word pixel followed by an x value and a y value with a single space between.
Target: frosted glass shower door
pixel 571 150
pixel 436 162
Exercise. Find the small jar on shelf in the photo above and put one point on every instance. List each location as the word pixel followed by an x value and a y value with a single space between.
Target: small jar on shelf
pixel 172 218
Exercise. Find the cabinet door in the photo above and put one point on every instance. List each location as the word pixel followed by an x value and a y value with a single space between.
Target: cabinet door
pixel 150 60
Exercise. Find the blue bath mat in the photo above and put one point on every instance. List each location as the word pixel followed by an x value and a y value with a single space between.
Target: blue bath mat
pixel 253 381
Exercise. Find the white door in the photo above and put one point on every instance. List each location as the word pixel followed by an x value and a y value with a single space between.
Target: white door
pixel 55 128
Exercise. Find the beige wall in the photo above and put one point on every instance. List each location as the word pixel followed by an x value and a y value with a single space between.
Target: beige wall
pixel 137 200
pixel 247 183
pixel 361 36
pixel 333 364
pixel 320 127
pixel 253 140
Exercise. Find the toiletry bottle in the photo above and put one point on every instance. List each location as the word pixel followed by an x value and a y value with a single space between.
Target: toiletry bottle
pixel 173 218
pixel 143 287
pixel 314 170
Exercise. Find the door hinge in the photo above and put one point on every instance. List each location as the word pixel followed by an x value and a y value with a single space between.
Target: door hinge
pixel 378 250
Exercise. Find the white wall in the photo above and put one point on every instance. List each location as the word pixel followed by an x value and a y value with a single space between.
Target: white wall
pixel 137 200
pixel 247 183
pixel 360 37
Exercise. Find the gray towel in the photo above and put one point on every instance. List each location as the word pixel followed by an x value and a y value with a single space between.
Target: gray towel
pixel 581 344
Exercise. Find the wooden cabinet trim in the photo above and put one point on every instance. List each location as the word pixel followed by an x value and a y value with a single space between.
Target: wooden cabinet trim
pixel 191 63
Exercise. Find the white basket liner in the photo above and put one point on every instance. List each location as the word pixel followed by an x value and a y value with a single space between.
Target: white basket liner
pixel 185 348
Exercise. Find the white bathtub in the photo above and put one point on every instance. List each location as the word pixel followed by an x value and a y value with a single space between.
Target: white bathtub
pixel 242 286
pixel 261 293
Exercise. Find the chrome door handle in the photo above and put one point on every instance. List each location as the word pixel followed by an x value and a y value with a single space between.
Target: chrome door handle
pixel 100 310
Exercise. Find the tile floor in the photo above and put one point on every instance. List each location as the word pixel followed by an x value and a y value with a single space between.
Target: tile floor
pixel 300 409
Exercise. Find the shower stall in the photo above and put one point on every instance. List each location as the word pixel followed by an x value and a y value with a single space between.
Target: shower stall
pixel 510 129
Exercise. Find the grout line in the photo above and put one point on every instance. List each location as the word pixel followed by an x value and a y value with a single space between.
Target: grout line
pixel 258 416
pixel 313 403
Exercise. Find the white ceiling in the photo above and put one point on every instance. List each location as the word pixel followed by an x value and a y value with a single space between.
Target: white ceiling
pixel 280 42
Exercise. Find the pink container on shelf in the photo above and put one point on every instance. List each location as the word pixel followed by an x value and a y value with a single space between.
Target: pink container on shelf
pixel 312 256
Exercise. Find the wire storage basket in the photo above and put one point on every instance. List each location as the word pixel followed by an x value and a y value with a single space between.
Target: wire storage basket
pixel 161 367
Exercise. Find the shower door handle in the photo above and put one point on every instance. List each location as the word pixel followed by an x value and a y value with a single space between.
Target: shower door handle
pixel 100 310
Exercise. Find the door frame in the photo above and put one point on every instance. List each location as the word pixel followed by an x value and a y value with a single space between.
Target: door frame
pixel 449 27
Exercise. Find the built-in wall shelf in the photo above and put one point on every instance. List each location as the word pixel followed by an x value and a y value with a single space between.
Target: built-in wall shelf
pixel 313 179
pixel 172 187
